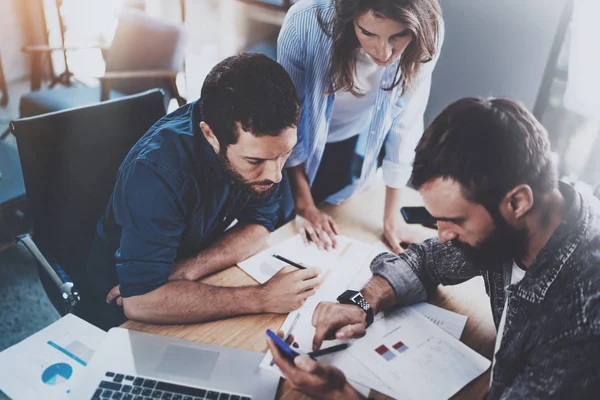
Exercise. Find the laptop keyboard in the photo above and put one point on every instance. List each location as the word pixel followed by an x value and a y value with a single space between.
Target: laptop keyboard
pixel 126 387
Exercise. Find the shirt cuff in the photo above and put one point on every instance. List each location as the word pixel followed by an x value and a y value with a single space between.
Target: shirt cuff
pixel 140 277
pixel 395 176
pixel 406 284
pixel 257 219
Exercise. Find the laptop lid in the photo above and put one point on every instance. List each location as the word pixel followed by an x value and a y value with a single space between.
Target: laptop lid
pixel 143 364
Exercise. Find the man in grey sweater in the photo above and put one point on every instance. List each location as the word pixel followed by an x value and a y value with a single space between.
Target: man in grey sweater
pixel 485 171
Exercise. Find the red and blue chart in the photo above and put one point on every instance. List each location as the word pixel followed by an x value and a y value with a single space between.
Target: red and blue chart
pixel 389 354
pixel 400 347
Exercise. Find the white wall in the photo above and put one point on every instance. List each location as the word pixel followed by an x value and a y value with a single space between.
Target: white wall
pixel 493 48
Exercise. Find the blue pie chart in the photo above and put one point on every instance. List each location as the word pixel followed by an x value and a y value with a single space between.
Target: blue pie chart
pixel 57 374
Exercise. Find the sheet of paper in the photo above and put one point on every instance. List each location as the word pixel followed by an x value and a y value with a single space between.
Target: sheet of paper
pixel 451 322
pixel 341 267
pixel 354 370
pixel 347 267
pixel 359 388
pixel 408 353
pixel 48 364
pixel 357 373
pixel 262 266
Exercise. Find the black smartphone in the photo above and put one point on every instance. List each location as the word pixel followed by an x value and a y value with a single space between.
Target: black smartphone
pixel 417 215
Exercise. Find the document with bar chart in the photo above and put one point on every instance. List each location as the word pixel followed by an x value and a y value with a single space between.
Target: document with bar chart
pixel 340 269
pixel 47 364
pixel 347 267
pixel 415 358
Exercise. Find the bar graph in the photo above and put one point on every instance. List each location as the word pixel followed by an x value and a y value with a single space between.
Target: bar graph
pixel 385 352
pixel 400 347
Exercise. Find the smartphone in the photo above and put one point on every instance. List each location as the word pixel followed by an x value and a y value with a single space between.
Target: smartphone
pixel 417 215
pixel 287 350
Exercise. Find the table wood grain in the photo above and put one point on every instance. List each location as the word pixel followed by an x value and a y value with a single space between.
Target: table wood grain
pixel 361 218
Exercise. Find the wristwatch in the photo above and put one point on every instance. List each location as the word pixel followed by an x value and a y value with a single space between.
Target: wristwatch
pixel 356 298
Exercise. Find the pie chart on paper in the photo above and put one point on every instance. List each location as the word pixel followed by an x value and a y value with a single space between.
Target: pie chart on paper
pixel 56 374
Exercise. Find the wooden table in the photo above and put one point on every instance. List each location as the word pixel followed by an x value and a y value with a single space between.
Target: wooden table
pixel 360 218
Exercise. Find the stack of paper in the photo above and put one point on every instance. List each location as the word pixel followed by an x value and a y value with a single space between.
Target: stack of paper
pixel 413 352
pixel 48 364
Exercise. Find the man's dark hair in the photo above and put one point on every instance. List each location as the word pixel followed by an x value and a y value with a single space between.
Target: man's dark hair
pixel 250 89
pixel 489 146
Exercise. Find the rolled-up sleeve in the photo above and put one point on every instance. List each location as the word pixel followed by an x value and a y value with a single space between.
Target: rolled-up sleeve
pixel 408 126
pixel 148 207
pixel 401 277
pixel 291 55
pixel 404 135
pixel 263 211
pixel 417 272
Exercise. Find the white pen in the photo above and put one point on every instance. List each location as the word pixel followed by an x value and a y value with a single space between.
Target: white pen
pixel 289 332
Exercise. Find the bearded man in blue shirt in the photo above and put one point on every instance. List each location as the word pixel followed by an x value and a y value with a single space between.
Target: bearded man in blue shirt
pixel 195 172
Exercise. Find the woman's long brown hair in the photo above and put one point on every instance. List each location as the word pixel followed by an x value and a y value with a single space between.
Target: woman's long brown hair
pixel 421 17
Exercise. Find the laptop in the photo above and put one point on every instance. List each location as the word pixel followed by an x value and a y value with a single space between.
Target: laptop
pixel 133 365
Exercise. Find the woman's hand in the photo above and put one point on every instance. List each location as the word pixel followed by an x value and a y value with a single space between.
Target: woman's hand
pixel 397 231
pixel 316 226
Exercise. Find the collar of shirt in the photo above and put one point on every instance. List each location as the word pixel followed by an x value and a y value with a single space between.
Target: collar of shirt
pixel 563 242
pixel 207 164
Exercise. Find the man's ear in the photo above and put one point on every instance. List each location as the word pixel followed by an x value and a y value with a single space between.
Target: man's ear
pixel 516 203
pixel 210 136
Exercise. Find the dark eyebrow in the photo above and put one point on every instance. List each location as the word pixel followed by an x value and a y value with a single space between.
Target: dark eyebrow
pixel 455 220
pixel 403 33
pixel 364 30
pixel 400 34
pixel 265 159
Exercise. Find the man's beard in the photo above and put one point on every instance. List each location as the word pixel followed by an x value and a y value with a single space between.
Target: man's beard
pixel 503 244
pixel 249 187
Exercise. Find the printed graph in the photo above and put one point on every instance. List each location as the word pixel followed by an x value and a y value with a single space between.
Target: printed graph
pixel 400 347
pixel 386 353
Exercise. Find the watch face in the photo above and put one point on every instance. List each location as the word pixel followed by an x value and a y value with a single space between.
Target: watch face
pixel 347 295
pixel 356 297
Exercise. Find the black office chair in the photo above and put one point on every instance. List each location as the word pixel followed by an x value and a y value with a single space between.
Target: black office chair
pixel 70 160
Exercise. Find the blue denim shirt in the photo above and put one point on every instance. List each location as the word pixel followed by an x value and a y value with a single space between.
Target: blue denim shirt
pixel 550 348
pixel 171 199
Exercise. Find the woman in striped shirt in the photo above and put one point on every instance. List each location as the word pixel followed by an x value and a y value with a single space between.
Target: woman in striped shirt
pixel 359 67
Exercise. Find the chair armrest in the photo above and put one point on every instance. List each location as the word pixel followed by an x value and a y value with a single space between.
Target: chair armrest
pixel 109 77
pixel 61 280
pixel 43 48
pixel 114 75
pixel 41 51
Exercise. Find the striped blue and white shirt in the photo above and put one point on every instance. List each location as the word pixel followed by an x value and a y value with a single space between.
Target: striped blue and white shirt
pixel 305 52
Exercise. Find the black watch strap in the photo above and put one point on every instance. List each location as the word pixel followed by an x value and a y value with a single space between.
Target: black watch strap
pixel 357 299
